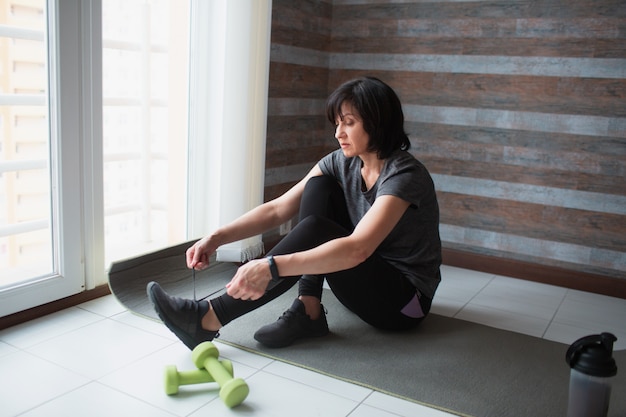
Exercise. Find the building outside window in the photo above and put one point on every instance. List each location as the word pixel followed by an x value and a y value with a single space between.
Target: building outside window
pixel 144 145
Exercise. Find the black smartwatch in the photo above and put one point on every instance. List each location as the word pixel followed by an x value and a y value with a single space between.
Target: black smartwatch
pixel 273 269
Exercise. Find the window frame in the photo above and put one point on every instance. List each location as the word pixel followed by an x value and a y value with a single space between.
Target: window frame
pixel 75 123
pixel 76 140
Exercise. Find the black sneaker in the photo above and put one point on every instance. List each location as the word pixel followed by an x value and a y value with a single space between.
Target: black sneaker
pixel 183 317
pixel 293 324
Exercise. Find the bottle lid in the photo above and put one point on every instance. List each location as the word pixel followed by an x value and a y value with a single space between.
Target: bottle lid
pixel 592 355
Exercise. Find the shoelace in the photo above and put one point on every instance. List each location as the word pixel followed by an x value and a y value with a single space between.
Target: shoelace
pixel 290 313
pixel 193 278
pixel 287 314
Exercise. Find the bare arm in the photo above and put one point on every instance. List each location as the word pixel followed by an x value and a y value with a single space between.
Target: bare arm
pixel 347 252
pixel 252 279
pixel 264 217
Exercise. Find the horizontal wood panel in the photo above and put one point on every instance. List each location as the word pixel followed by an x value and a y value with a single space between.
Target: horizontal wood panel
pixel 543 251
pixel 300 139
pixel 517 108
pixel 305 24
pixel 570 162
pixel 479 28
pixel 581 48
pixel 290 80
pixel 549 142
pixel 559 95
pixel 546 195
pixel 547 123
pixel 600 184
pixel 532 220
pixel 578 267
pixel 293 124
pixel 297 129
pixel 309 9
pixel 294 37
pixel 516 9
pixel 273 191
pixel 286 174
pixel 285 157
pixel 309 20
pixel 538 66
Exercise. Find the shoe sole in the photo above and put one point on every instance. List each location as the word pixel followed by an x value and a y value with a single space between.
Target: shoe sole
pixel 292 340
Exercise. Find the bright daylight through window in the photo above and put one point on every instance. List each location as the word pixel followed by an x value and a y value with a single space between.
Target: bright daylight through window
pixel 145 75
pixel 144 135
pixel 25 230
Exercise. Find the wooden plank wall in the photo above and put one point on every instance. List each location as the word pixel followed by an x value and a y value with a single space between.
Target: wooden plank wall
pixel 298 134
pixel 517 107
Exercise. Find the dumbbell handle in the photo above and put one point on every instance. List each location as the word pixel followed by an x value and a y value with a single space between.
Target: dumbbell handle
pixel 232 390
pixel 217 370
pixel 175 378
pixel 197 376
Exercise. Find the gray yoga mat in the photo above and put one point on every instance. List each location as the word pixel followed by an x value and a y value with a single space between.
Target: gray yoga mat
pixel 450 364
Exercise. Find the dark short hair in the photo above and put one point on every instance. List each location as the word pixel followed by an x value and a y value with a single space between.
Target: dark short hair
pixel 379 108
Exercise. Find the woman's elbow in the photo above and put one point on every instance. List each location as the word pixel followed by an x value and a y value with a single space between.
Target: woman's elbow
pixel 359 254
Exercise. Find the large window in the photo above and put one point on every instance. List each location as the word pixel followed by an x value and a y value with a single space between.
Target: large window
pixel 145 96
pixel 94 143
pixel 26 250
pixel 45 111
pixel 93 140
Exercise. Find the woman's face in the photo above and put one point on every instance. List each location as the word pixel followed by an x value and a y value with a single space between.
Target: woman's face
pixel 349 131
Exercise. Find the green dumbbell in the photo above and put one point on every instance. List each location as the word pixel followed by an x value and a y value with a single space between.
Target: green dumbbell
pixel 175 378
pixel 232 390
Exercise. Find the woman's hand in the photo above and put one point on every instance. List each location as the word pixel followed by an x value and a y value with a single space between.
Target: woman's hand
pixel 198 255
pixel 250 281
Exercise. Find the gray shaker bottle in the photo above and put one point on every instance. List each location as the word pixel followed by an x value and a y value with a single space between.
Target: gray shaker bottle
pixel 592 368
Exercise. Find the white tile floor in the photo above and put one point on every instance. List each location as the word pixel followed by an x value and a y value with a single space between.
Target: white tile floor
pixel 97 359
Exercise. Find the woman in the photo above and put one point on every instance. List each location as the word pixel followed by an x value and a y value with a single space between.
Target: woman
pixel 368 224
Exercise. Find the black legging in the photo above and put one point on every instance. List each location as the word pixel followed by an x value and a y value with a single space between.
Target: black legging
pixel 374 290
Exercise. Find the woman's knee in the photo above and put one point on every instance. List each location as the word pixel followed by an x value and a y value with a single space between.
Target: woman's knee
pixel 322 183
pixel 308 233
pixel 321 189
pixel 324 196
pixel 314 222
pixel 319 228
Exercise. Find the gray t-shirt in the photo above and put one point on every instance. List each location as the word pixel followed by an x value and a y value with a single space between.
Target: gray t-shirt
pixel 413 246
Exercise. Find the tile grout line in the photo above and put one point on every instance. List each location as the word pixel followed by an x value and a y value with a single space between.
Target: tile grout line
pixel 556 311
pixel 474 296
